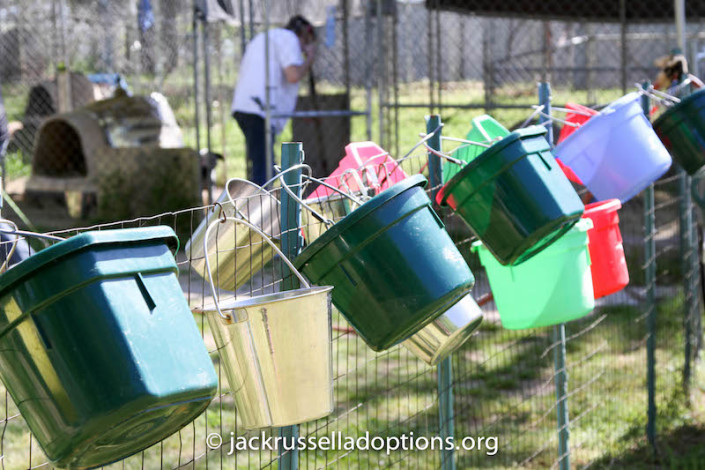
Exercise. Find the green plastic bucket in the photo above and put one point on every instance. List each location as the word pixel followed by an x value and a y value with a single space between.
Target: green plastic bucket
pixel 682 131
pixel 392 263
pixel 483 129
pixel 553 287
pixel 98 347
pixel 514 196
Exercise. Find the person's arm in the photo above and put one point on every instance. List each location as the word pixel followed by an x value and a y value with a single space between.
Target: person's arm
pixel 295 73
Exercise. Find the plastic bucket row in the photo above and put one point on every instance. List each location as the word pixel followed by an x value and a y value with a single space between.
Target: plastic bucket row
pixel 534 288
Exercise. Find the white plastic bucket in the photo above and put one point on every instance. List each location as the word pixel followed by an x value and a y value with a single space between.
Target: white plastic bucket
pixel 616 153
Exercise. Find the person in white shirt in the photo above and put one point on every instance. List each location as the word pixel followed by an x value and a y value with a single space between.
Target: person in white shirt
pixel 291 54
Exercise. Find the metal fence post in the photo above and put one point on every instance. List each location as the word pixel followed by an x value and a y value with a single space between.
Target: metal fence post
pixel 292 243
pixel 445 367
pixel 558 331
pixel 695 287
pixel 686 239
pixel 650 280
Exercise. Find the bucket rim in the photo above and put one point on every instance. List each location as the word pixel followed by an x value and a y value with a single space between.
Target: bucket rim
pixel 355 216
pixel 83 241
pixel 678 107
pixel 594 121
pixel 457 339
pixel 582 225
pixel 600 207
pixel 473 319
pixel 513 137
pixel 276 297
pixel 621 102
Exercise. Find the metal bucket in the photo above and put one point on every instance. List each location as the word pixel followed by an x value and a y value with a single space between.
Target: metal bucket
pixel 444 335
pixel 332 207
pixel 276 350
pixel 236 254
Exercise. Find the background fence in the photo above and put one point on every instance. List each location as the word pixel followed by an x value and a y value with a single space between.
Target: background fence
pixel 397 61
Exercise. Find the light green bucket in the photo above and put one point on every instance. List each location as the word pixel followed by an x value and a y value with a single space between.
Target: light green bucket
pixel 483 129
pixel 553 287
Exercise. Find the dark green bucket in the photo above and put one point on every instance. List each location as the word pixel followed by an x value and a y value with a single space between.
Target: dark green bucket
pixel 98 347
pixel 393 265
pixel 514 196
pixel 682 131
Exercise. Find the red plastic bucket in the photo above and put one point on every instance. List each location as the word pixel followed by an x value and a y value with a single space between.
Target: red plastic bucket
pixel 609 267
pixel 578 117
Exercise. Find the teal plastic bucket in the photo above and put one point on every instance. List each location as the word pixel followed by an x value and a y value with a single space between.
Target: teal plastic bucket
pixel 553 287
pixel 98 347
pixel 514 196
pixel 616 153
pixel 682 130
pixel 392 263
pixel 483 129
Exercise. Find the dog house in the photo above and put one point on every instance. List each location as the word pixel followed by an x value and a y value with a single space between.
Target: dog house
pixel 116 158
pixel 43 101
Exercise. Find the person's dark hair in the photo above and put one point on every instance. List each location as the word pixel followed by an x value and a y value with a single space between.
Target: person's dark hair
pixel 298 24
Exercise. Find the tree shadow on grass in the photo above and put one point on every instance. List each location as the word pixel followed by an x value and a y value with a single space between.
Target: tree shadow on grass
pixel 680 448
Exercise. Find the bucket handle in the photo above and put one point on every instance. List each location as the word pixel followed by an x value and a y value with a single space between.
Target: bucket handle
pixel 538 110
pixel 570 111
pixel 484 143
pixel 315 213
pixel 261 234
pixel 382 174
pixel 356 176
pixel 232 201
pixel 262 188
pixel 299 166
pixel 663 98
pixel 443 155
pixel 16 240
pixel 18 234
pixel 425 138
pixel 24 233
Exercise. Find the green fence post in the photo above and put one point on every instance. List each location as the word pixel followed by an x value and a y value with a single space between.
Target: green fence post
pixel 650 279
pixel 558 331
pixel 445 367
pixel 292 243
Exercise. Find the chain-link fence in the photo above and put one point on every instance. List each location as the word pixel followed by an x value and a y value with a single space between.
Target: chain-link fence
pixel 381 66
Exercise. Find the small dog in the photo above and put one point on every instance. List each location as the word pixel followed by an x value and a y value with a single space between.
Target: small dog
pixel 673 70
pixel 209 160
